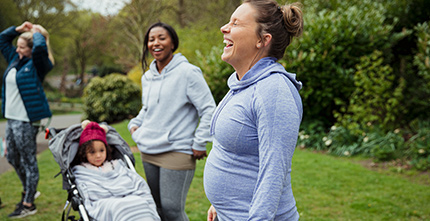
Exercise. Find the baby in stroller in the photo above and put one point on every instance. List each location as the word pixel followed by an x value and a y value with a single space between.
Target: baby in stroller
pixel 109 188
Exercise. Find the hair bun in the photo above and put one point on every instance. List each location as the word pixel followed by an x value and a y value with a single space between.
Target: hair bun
pixel 293 18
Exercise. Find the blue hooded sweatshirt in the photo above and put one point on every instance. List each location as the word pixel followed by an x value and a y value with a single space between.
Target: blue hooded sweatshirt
pixel 173 103
pixel 255 129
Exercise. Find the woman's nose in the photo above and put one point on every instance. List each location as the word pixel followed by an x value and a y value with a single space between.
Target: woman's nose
pixel 224 28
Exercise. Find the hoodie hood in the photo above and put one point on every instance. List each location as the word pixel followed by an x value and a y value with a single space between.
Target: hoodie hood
pixel 176 60
pixel 153 75
pixel 262 69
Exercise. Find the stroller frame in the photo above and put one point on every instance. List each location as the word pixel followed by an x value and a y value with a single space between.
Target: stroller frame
pixel 63 145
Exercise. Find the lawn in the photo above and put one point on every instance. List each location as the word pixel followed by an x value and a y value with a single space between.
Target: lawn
pixel 325 187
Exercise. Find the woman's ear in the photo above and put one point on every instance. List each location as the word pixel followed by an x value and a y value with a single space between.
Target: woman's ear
pixel 267 39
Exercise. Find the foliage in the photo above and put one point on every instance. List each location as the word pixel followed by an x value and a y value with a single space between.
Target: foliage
pixel 341 141
pixel 384 146
pixel 107 69
pixel 333 41
pixel 422 62
pixel 135 74
pixel 202 39
pixel 376 98
pixel 419 145
pixel 130 26
pixel 216 72
pixel 111 99
pixel 311 135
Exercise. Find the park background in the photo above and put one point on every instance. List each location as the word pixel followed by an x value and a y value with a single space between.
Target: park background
pixel 365 67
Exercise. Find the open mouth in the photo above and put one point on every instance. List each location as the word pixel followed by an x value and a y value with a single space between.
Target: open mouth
pixel 157 50
pixel 228 43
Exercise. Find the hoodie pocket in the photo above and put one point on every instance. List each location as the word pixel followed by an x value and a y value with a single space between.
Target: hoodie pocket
pixel 147 137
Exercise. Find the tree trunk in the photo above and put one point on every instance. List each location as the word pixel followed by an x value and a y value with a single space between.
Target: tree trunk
pixel 64 75
pixel 181 13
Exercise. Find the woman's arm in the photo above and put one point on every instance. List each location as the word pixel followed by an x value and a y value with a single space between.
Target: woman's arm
pixel 40 55
pixel 200 95
pixel 6 47
pixel 278 122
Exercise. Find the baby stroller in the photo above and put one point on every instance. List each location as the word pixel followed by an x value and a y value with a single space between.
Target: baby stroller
pixel 64 145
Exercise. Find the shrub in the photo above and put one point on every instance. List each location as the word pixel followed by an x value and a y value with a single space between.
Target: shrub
pixel 342 141
pixel 419 146
pixel 135 74
pixel 216 72
pixel 385 146
pixel 421 91
pixel 311 135
pixel 376 98
pixel 111 99
pixel 372 142
pixel 325 57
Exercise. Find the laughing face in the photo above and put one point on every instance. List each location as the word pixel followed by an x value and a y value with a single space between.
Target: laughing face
pixel 241 39
pixel 160 46
pixel 22 48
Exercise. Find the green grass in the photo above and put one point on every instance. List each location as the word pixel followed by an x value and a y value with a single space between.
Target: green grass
pixel 325 188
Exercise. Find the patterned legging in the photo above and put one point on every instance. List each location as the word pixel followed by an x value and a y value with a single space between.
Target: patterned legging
pixel 21 154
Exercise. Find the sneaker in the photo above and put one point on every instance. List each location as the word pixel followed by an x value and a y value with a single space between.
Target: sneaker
pixel 37 194
pixel 23 211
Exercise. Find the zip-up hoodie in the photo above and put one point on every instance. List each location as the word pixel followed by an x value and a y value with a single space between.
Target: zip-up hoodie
pixel 173 102
pixel 255 129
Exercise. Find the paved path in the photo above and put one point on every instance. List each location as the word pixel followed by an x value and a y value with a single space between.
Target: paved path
pixel 58 121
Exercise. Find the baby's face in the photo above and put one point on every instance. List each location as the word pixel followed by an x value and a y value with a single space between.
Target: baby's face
pixel 97 155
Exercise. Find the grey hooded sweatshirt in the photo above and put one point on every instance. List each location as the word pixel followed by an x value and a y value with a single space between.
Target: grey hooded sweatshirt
pixel 174 102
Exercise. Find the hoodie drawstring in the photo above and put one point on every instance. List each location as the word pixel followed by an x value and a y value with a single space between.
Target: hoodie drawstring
pixel 159 88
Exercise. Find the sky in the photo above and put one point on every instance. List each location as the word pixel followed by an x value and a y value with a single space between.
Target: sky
pixel 104 7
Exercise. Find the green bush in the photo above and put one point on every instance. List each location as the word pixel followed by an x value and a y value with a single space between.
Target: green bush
pixel 216 72
pixel 325 57
pixel 111 99
pixel 372 142
pixel 421 90
pixel 135 74
pixel 385 147
pixel 419 146
pixel 311 135
pixel 341 141
pixel 376 98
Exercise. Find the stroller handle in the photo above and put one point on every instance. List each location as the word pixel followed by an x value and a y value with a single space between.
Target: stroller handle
pixel 50 132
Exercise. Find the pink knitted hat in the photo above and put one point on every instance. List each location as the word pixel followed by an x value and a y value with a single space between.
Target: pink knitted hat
pixel 92 131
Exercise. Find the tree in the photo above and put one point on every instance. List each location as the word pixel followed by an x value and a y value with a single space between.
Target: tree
pixel 130 27
pixel 90 38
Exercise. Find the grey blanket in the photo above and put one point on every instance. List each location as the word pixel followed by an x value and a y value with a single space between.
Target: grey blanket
pixel 120 194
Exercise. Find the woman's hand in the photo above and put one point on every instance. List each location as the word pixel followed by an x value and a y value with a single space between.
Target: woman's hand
pixel 133 129
pixel 36 28
pixel 199 155
pixel 211 213
pixel 26 26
